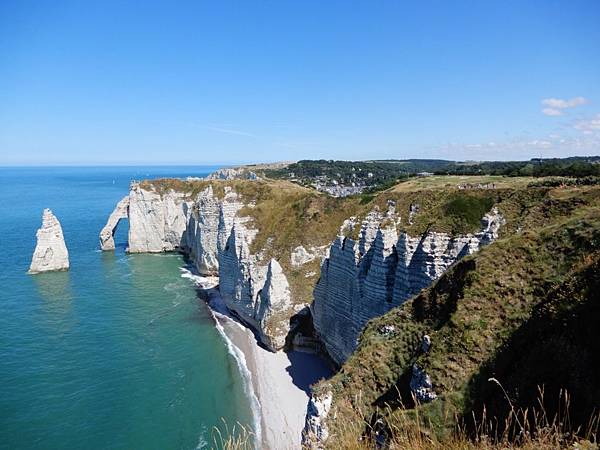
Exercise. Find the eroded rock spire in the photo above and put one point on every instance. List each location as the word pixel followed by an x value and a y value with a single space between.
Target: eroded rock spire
pixel 50 253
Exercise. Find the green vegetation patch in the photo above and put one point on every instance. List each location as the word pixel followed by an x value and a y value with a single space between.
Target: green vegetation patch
pixel 466 211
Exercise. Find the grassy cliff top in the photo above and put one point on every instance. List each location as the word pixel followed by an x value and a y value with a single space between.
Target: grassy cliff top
pixel 522 310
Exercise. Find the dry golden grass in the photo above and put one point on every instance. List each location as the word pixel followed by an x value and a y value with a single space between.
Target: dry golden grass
pixel 238 437
pixel 452 182
pixel 524 429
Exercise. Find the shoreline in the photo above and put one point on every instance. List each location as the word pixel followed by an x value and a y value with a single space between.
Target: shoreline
pixel 278 384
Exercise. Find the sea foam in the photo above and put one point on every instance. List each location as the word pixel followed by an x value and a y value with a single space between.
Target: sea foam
pixel 219 312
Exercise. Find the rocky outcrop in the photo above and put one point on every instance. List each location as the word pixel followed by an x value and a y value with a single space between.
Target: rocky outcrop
pixel 233 173
pixel 121 211
pixel 301 255
pixel 273 300
pixel 315 429
pixel 50 253
pixel 420 385
pixel 366 278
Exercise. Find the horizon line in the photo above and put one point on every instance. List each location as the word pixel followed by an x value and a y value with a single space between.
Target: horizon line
pixel 233 164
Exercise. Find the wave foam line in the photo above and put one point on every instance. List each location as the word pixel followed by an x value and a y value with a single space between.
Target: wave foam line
pixel 239 357
pixel 199 280
pixel 208 283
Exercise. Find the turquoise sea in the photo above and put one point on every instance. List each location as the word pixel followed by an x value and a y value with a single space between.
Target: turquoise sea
pixel 117 353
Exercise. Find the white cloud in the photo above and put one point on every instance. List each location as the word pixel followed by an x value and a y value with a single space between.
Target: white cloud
pixel 590 125
pixel 552 112
pixel 552 145
pixel 539 143
pixel 558 103
pixel 555 106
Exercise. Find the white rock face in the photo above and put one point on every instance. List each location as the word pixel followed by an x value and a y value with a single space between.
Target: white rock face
pixel 121 211
pixel 202 232
pixel 301 256
pixel 258 294
pixel 315 428
pixel 365 279
pixel 230 206
pixel 50 253
pixel 156 223
pixel 425 343
pixel 274 298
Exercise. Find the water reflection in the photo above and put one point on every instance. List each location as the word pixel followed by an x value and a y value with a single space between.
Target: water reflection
pixel 54 287
pixel 57 294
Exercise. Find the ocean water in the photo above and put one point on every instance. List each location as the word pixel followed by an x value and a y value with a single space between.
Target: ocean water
pixel 117 353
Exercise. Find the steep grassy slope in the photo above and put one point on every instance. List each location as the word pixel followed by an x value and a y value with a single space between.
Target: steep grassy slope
pixel 523 310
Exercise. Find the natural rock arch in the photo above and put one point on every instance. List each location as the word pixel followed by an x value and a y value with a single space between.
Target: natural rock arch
pixel 121 211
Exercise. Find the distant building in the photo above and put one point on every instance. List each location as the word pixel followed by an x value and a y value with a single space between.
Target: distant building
pixel 424 174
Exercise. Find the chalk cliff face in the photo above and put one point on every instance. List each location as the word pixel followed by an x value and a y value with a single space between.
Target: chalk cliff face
pixel 156 222
pixel 366 278
pixel 259 294
pixel 50 252
pixel 217 240
pixel 201 234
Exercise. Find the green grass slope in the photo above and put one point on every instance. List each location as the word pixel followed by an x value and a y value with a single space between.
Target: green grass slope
pixel 524 311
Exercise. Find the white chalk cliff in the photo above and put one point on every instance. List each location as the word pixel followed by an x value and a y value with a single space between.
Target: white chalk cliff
pixel 217 240
pixel 366 278
pixel 156 222
pixel 51 252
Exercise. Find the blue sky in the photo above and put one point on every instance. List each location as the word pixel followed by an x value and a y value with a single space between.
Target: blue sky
pixel 229 82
